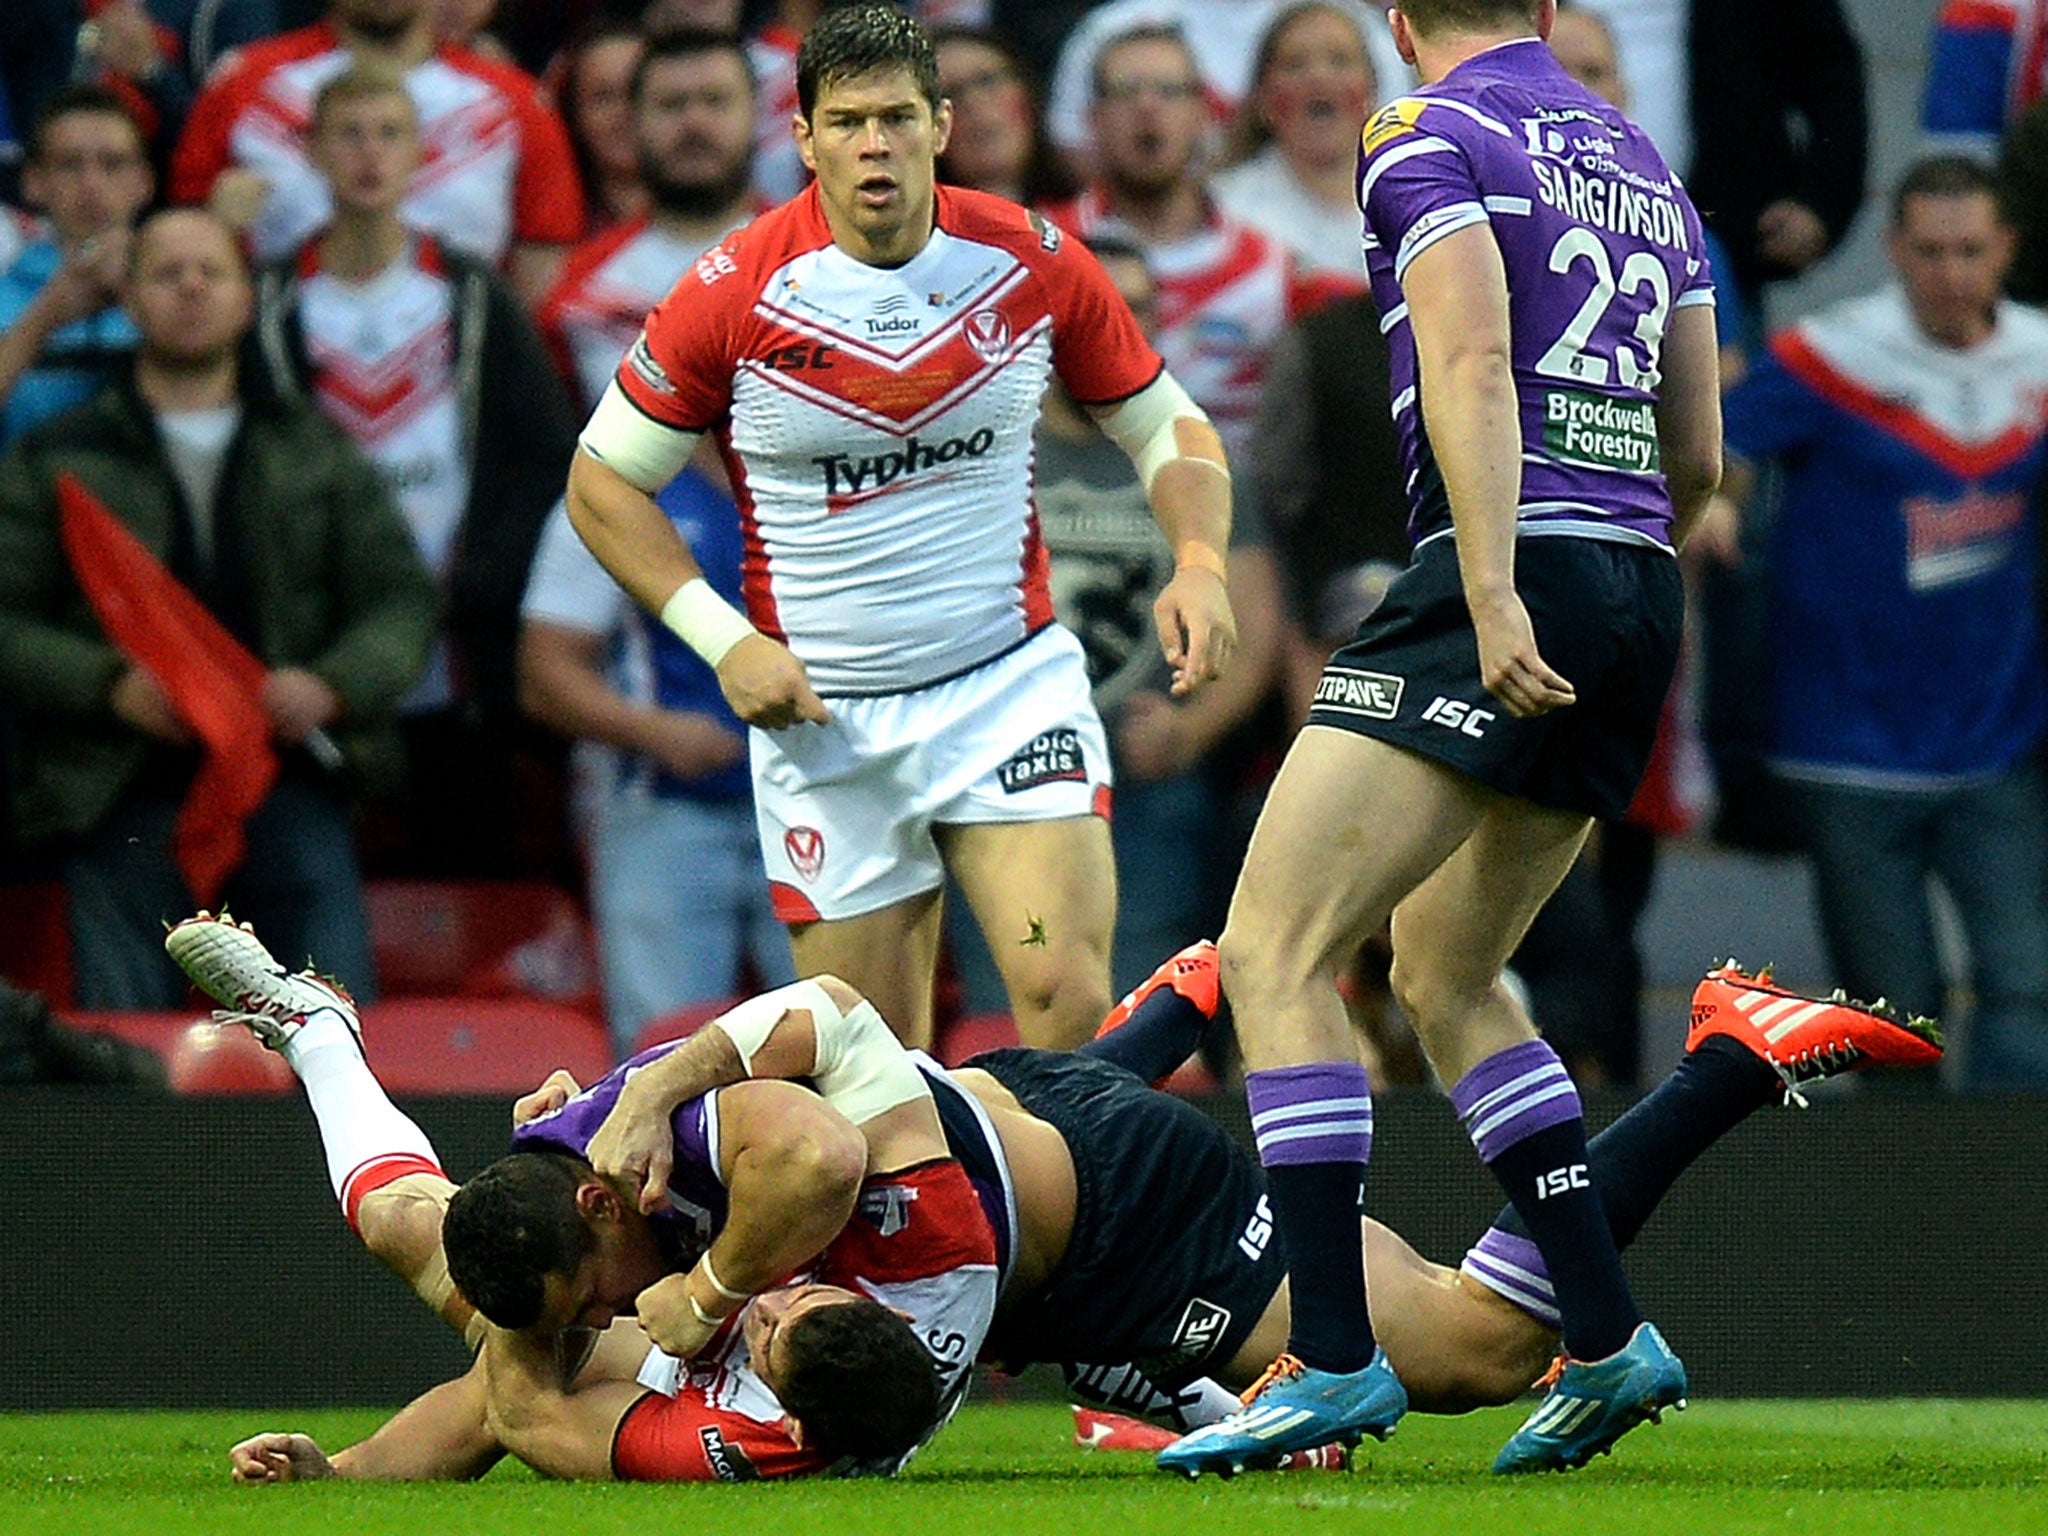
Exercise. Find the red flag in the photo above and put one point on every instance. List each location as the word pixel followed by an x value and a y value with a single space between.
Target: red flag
pixel 214 683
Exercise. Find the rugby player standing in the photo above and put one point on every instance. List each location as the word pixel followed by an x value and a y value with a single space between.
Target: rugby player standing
pixel 871 356
pixel 1548 308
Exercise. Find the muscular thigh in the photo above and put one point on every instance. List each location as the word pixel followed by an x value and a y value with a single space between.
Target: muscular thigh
pixel 889 956
pixel 1044 895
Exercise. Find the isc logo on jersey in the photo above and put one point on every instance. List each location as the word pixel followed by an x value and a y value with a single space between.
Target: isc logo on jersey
pixel 1390 122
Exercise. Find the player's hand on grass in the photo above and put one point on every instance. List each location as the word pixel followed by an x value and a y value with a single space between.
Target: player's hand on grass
pixel 767 686
pixel 550 1096
pixel 1197 630
pixel 636 1144
pixel 279 1458
pixel 668 1319
pixel 1509 664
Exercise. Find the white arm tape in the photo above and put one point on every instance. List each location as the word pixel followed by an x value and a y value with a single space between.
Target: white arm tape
pixel 624 438
pixel 704 621
pixel 1143 426
pixel 861 1068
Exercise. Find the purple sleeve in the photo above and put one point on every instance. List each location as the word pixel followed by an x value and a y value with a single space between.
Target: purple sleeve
pixel 1415 184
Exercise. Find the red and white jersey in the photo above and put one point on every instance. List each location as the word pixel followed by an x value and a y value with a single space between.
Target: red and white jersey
pixel 609 283
pixel 497 167
pixel 918 1241
pixel 383 362
pixel 779 171
pixel 877 424
pixel 1224 296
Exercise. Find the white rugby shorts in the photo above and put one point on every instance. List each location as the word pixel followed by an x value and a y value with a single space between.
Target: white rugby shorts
pixel 846 809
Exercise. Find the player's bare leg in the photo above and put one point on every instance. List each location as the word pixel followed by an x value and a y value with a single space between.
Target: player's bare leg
pixel 890 956
pixel 1044 894
pixel 1352 826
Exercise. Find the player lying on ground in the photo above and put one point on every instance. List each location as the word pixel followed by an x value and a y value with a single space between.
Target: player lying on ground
pixel 770 1181
pixel 1140 1230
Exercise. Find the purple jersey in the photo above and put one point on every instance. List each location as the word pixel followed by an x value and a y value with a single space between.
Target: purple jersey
pixel 696 1192
pixel 1600 244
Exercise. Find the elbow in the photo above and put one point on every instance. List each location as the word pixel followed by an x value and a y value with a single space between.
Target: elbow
pixel 830 1160
pixel 1694 473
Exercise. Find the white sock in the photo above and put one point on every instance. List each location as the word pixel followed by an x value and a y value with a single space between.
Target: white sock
pixel 369 1141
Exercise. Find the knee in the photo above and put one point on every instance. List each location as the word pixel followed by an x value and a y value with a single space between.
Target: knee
pixel 1432 996
pixel 1060 1003
pixel 1250 965
pixel 400 1223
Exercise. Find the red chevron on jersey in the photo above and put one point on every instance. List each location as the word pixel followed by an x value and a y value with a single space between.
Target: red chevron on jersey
pixel 878 422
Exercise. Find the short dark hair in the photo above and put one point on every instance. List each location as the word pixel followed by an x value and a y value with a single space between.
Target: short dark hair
pixel 1145 32
pixel 1118 248
pixel 688 43
pixel 858 1381
pixel 848 43
pixel 1436 17
pixel 1946 176
pixel 73 101
pixel 512 1226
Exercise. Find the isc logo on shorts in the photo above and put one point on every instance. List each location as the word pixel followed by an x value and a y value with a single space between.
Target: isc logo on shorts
pixel 1376 695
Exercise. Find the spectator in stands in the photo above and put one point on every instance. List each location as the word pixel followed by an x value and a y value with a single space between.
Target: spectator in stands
pixel 424 358
pixel 1223 36
pixel 503 186
pixel 267 515
pixel 461 24
pixel 1780 132
pixel 778 168
pixel 62 329
pixel 1293 153
pixel 1987 66
pixel 1225 290
pixel 689 96
pixel 677 886
pixel 998 141
pixel 1909 696
pixel 596 97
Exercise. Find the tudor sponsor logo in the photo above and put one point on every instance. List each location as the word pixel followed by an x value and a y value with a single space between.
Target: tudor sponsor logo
pixel 806 849
pixel 845 475
pixel 1052 758
pixel 1348 691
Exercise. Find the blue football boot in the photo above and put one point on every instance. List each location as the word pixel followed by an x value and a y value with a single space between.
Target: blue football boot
pixel 1293 1408
pixel 1593 1403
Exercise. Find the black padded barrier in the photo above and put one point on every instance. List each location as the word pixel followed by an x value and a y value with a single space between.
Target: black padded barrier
pixel 187 1253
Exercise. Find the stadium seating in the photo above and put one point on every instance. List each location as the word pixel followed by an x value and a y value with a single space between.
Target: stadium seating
pixel 972 1034
pixel 499 1046
pixel 680 1023
pixel 211 1060
pixel 35 941
pixel 481 938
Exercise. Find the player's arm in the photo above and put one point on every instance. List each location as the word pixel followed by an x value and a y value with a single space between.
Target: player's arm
pixel 623 457
pixel 819 1029
pixel 1457 294
pixel 1689 416
pixel 792 1167
pixel 1180 459
pixel 441 1435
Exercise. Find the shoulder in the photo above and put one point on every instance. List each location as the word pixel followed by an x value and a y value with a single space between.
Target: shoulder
pixel 986 219
pixel 2023 327
pixel 510 81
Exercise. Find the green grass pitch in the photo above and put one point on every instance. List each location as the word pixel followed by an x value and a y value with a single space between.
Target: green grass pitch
pixel 1723 1469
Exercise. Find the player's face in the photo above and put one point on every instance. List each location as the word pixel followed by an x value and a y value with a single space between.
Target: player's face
pixel 991 143
pixel 610 1279
pixel 368 149
pixel 1318 88
pixel 872 142
pixel 768 1320
pixel 696 128
pixel 604 104
pixel 91 176
pixel 1585 48
pixel 188 291
pixel 1148 115
pixel 1951 253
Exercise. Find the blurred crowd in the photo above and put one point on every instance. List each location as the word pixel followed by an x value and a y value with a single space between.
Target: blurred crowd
pixel 314 294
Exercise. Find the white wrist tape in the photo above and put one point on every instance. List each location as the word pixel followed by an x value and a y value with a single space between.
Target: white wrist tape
pixel 1144 427
pixel 704 621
